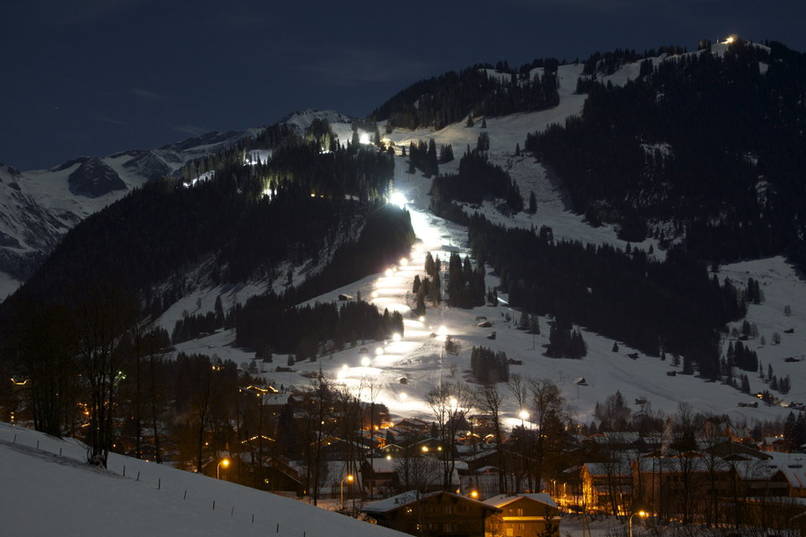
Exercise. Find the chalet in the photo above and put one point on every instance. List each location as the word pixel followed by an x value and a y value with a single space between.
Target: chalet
pixel 524 515
pixel 380 475
pixel 432 514
pixel 606 487
pixel 485 481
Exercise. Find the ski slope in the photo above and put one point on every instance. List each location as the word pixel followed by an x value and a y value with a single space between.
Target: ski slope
pixel 48 489
pixel 401 373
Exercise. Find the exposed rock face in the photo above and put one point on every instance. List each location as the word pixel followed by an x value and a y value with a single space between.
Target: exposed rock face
pixel 93 178
pixel 148 165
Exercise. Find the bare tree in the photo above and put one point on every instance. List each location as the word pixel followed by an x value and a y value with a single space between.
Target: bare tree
pixel 547 407
pixel 449 404
pixel 102 318
pixel 489 399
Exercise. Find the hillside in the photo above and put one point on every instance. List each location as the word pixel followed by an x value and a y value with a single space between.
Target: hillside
pixel 74 498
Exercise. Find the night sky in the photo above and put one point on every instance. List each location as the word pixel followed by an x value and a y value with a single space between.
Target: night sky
pixel 92 77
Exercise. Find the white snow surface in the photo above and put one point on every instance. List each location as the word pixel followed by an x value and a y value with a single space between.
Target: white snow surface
pixel 61 495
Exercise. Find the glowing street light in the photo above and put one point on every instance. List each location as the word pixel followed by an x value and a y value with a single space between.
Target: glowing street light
pixel 641 514
pixel 424 449
pixel 225 462
pixel 365 361
pixel 474 494
pixel 523 415
pixel 349 478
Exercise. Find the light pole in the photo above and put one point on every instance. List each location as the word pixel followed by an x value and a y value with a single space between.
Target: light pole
pixel 223 462
pixel 641 514
pixel 349 478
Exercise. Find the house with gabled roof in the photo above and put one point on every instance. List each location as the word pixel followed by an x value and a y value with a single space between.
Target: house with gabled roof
pixel 432 514
pixel 524 515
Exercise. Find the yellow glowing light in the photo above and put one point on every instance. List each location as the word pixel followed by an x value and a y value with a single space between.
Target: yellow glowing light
pixel 404 261
pixel 523 414
pixel 421 318
pixel 396 337
pixel 365 361
pixel 731 39
pixel 403 396
pixel 350 478
pixel 225 463
pixel 388 457
pixel 474 494
pixel 378 351
pixel 388 272
pixel 424 449
pixel 642 513
pixel 442 331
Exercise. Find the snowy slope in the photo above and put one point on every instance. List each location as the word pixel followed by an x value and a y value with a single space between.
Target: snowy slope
pixel 74 499
pixel 417 357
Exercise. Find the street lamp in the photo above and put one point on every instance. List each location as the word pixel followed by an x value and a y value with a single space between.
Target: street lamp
pixel 474 494
pixel 225 462
pixel 350 478
pixel 641 514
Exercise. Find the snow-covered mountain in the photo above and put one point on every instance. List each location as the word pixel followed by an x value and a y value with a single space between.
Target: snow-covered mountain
pixel 40 206
pixel 408 368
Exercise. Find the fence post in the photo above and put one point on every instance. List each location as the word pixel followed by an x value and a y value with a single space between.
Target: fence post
pixel 159 483
pixel 278 528
pixel 37 444
pixel 186 495
pixel 213 505
pixel 60 452
pixel 253 518
pixel 138 476
pixel 124 470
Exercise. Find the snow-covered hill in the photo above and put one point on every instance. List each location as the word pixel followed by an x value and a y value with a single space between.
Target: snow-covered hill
pixel 407 369
pixel 50 490
pixel 37 207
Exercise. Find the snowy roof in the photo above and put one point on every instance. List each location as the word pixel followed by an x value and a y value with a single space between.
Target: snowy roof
pixel 409 497
pixel 502 499
pixel 608 468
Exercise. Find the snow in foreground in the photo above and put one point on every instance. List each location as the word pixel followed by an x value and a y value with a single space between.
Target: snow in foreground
pixel 47 494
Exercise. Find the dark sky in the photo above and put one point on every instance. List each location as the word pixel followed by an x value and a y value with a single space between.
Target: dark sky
pixel 84 77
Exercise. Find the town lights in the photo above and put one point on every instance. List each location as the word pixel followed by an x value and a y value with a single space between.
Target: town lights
pixel 523 415
pixel 474 494
pixel 424 449
pixel 365 361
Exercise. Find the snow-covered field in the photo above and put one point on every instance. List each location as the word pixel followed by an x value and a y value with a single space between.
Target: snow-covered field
pixel 48 489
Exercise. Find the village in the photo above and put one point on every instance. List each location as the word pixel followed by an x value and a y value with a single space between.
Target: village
pixel 463 474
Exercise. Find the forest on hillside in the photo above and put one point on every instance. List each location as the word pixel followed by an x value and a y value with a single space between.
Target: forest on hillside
pixel 704 147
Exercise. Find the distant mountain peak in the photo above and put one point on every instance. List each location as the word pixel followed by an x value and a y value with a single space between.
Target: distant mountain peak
pixel 94 178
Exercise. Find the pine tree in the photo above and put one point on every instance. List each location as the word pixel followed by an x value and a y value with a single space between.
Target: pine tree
pixel 532 203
